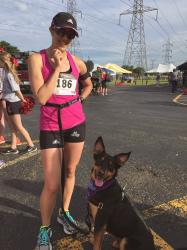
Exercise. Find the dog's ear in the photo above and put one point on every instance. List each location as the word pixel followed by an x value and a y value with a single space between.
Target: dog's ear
pixel 99 146
pixel 122 158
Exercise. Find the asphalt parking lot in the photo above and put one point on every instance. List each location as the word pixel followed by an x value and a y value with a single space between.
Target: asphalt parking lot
pixel 143 120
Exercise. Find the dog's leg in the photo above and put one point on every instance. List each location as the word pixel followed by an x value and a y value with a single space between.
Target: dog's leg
pixel 93 210
pixel 98 238
pixel 116 242
pixel 122 244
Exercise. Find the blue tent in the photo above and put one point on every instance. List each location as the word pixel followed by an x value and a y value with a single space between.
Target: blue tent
pixel 108 71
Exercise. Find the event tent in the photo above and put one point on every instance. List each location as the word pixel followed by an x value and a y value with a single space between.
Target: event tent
pixel 117 69
pixel 163 68
pixel 108 71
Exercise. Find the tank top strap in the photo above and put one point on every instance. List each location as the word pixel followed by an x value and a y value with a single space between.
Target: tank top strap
pixel 46 67
pixel 73 65
pixel 43 55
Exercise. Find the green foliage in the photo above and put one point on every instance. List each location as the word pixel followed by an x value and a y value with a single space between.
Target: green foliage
pixel 139 71
pixel 8 47
pixel 128 67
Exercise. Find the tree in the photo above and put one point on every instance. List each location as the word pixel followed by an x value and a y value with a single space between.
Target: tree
pixel 8 47
pixel 128 67
pixel 139 71
pixel 89 65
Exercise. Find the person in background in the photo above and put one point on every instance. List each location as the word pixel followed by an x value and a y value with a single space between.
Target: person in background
pixel 3 113
pixel 174 81
pixel 54 75
pixel 2 120
pixel 98 74
pixel 12 95
pixel 104 84
pixel 157 79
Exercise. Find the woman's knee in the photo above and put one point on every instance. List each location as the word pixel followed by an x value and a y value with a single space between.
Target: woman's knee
pixel 70 171
pixel 51 187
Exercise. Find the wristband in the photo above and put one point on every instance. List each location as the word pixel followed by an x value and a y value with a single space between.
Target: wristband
pixel 84 76
pixel 82 99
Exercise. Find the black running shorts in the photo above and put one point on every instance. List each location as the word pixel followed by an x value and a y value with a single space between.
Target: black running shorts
pixel 13 108
pixel 52 139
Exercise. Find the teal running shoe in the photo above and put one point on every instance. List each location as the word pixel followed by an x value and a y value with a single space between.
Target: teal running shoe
pixel 70 225
pixel 44 236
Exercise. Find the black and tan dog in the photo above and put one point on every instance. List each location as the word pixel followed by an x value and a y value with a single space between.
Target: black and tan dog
pixel 110 209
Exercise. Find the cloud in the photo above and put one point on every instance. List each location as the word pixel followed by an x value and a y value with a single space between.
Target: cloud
pixel 22 6
pixel 25 24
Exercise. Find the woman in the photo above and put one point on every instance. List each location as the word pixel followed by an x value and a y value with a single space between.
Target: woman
pixel 54 75
pixel 12 95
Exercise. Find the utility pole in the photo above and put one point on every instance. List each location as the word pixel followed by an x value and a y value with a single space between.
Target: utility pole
pixel 152 63
pixel 167 52
pixel 135 52
pixel 72 9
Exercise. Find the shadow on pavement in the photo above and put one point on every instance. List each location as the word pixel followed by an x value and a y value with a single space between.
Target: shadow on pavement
pixel 20 222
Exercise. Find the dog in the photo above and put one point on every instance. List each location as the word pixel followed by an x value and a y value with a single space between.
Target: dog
pixel 110 209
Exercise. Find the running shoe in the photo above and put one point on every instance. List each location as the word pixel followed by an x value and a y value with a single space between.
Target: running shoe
pixel 11 151
pixel 2 164
pixel 70 225
pixel 2 139
pixel 18 142
pixel 44 238
pixel 30 149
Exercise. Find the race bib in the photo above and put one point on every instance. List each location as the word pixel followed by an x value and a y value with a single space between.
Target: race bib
pixel 66 85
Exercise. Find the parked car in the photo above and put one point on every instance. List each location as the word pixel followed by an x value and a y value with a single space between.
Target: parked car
pixel 22 70
pixel 23 74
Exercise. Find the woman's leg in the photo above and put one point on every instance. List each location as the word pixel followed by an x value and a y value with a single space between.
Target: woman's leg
pixel 72 155
pixel 52 160
pixel 18 126
pixel 2 120
pixel 11 127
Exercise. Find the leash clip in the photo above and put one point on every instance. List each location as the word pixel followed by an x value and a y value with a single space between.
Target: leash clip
pixel 123 191
pixel 100 205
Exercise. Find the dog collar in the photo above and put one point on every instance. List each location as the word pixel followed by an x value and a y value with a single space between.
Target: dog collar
pixel 93 189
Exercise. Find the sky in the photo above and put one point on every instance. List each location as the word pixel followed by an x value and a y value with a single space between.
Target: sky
pixel 25 24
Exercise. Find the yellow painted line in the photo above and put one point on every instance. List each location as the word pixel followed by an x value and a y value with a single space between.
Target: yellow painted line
pixel 159 242
pixel 180 204
pixel 176 100
pixel 7 145
pixel 20 159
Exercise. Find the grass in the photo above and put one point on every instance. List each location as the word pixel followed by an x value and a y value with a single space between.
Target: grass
pixel 141 82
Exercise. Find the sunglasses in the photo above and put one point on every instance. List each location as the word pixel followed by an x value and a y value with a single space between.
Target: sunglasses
pixel 70 34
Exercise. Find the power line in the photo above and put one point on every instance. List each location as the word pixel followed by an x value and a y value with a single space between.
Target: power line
pixel 72 8
pixel 180 14
pixel 135 52
pixel 167 51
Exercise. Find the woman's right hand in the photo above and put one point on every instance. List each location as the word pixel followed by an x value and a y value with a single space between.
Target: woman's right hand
pixel 56 58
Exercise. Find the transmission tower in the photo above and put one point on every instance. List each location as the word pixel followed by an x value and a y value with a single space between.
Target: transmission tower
pixel 72 8
pixel 135 52
pixel 167 52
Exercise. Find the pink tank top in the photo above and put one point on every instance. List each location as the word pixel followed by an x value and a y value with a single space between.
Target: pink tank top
pixel 70 116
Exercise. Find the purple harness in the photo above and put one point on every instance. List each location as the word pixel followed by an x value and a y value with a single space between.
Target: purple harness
pixel 92 189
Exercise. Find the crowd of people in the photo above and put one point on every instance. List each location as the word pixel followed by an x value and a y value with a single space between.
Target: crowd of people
pixel 99 80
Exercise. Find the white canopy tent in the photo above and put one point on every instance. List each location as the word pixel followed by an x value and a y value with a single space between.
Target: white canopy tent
pixel 163 68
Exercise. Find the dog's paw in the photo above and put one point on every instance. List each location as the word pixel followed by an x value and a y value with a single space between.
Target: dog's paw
pixel 116 243
pixel 91 238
